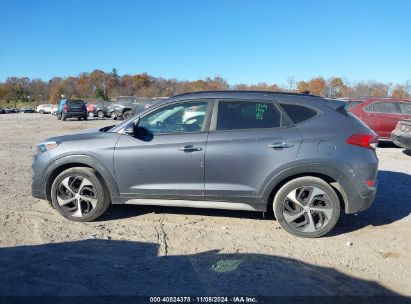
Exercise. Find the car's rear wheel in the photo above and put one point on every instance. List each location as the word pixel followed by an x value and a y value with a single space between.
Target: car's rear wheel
pixel 307 207
pixel 100 114
pixel 58 116
pixel 79 194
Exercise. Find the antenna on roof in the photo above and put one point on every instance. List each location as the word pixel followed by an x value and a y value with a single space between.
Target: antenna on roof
pixel 306 92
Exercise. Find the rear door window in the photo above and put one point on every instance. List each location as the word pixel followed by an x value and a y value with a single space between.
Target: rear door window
pixel 384 107
pixel 235 115
pixel 405 107
pixel 298 113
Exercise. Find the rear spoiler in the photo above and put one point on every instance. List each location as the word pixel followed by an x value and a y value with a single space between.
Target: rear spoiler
pixel 337 105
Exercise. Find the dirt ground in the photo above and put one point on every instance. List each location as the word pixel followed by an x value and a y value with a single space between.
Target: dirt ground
pixel 134 250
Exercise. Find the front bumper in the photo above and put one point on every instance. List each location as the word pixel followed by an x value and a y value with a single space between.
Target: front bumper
pixel 37 189
pixel 401 139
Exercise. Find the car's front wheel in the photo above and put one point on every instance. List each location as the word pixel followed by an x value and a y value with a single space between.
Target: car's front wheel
pixel 113 115
pixel 307 207
pixel 80 194
pixel 100 114
pixel 127 114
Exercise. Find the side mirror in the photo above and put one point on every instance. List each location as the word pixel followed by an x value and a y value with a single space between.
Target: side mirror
pixel 140 132
pixel 143 133
pixel 130 129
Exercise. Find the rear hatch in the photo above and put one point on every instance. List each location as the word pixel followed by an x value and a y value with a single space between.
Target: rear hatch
pixel 76 105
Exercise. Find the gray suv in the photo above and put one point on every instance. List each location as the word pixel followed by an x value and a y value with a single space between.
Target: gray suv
pixel 302 156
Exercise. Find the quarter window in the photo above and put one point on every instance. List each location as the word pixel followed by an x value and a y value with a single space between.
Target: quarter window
pixel 298 113
pixel 177 118
pixel 233 115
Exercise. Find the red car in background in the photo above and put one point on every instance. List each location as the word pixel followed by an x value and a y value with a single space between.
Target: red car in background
pixel 90 109
pixel 380 114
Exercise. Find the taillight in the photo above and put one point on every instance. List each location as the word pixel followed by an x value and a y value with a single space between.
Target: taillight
pixel 370 182
pixel 65 107
pixel 364 140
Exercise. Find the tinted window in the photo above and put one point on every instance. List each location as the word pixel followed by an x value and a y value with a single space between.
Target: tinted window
pixel 405 107
pixel 176 118
pixel 76 102
pixel 233 115
pixel 298 113
pixel 353 103
pixel 384 107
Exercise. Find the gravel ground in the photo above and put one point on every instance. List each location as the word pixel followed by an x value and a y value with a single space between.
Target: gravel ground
pixel 134 250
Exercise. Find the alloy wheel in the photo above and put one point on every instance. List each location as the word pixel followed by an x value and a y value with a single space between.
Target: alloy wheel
pixel 307 209
pixel 76 196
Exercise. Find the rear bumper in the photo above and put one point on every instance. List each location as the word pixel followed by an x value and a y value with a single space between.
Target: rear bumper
pixel 401 139
pixel 75 114
pixel 356 201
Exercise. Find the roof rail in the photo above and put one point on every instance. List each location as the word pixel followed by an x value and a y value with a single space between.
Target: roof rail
pixel 305 93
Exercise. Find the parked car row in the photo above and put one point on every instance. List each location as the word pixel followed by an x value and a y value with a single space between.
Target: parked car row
pixel 123 107
pixel 9 110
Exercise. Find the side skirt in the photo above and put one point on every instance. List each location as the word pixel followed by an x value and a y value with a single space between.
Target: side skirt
pixel 195 204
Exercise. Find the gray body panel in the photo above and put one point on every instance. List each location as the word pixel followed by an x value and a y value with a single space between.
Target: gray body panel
pixel 234 166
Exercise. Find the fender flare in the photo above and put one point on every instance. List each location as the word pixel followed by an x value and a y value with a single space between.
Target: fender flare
pixel 70 161
pixel 342 183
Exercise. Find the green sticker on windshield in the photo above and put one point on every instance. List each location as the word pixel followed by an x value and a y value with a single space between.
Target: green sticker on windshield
pixel 260 110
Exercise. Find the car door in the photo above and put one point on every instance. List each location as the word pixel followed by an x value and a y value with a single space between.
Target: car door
pixel 171 162
pixel 246 144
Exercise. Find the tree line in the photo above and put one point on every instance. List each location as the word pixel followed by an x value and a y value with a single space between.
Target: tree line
pixel 103 85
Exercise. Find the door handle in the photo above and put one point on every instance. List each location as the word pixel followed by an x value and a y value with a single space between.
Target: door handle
pixel 190 148
pixel 280 145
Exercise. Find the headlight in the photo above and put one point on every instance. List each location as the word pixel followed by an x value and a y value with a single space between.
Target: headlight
pixel 45 146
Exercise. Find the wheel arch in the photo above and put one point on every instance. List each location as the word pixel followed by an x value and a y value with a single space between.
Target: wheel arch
pixel 67 162
pixel 326 173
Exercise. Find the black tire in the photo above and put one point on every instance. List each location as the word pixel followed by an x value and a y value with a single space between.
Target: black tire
pixel 101 192
pixel 100 114
pixel 113 115
pixel 58 116
pixel 85 118
pixel 63 116
pixel 79 118
pixel 281 206
pixel 127 114
pixel 41 112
